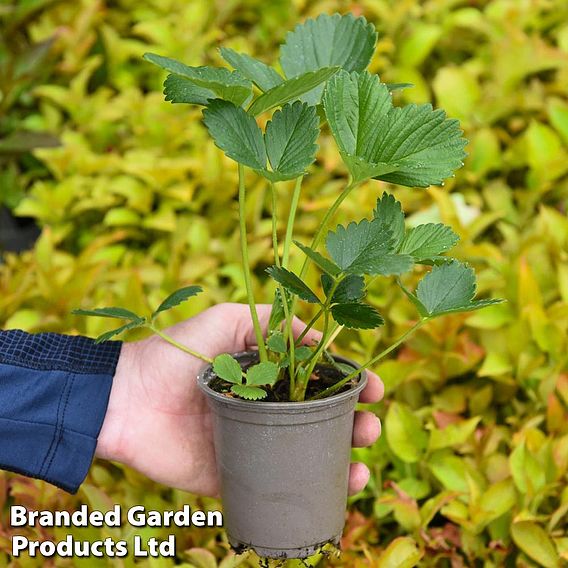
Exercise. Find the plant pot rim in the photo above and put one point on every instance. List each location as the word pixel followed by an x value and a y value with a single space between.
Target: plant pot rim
pixel 264 407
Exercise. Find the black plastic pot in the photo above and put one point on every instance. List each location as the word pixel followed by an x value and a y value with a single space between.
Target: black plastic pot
pixel 283 468
pixel 16 233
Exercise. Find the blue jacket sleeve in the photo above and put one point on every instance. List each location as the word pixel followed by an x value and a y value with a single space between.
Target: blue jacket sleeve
pixel 54 391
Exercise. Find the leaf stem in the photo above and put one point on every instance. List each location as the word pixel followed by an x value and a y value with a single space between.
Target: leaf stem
pixel 287 315
pixel 291 220
pixel 321 346
pixel 333 335
pixel 323 225
pixel 313 360
pixel 175 343
pixel 309 326
pixel 325 221
pixel 334 388
pixel 290 334
pixel 274 196
pixel 246 266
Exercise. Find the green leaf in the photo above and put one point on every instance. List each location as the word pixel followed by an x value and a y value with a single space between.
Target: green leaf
pixel 386 265
pixel 328 41
pixel 366 248
pixel 417 303
pixel 119 313
pixel 355 244
pixel 277 343
pixel 248 392
pixel 398 86
pixel 496 500
pixel 344 368
pixel 326 283
pixel 302 353
pixel 227 85
pixel 178 89
pixel 277 313
pixel 265 373
pixel 453 434
pixel 389 212
pixel 228 368
pixel 428 146
pixel 290 140
pixel 404 432
pixel 292 283
pixel 350 289
pixel 263 76
pixel 528 474
pixel 426 242
pixel 420 145
pixel 109 334
pixel 361 170
pixel 324 263
pixel 449 288
pixel 177 298
pixel 236 133
pixel 402 552
pixel 450 470
pixel 290 90
pixel 356 105
pixel 534 541
pixel 357 316
pixel 195 558
pixel 435 260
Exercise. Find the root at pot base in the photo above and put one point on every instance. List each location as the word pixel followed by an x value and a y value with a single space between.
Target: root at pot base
pixel 327 549
pixel 323 377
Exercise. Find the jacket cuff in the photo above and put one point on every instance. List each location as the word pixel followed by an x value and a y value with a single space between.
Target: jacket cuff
pixel 54 395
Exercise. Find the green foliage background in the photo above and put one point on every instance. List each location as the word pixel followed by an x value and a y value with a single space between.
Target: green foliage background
pixel 472 468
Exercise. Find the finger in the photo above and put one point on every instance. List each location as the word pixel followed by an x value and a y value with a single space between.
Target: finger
pixel 366 429
pixel 359 475
pixel 374 391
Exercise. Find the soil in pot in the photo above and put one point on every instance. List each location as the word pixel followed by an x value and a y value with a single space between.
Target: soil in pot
pixel 323 377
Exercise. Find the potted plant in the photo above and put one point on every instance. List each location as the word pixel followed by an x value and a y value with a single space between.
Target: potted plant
pixel 284 414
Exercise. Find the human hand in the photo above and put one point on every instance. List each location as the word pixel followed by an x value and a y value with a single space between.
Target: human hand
pixel 158 421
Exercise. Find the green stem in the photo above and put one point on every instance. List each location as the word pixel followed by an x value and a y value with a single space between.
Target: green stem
pixel 313 360
pixel 175 343
pixel 290 334
pixel 301 387
pixel 291 219
pixel 334 388
pixel 322 227
pixel 335 331
pixel 309 326
pixel 246 266
pixel 287 315
pixel 274 223
pixel 325 221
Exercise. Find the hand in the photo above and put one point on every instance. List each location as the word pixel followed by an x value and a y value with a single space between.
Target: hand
pixel 158 421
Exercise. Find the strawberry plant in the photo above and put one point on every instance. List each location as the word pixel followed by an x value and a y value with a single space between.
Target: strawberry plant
pixel 324 84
